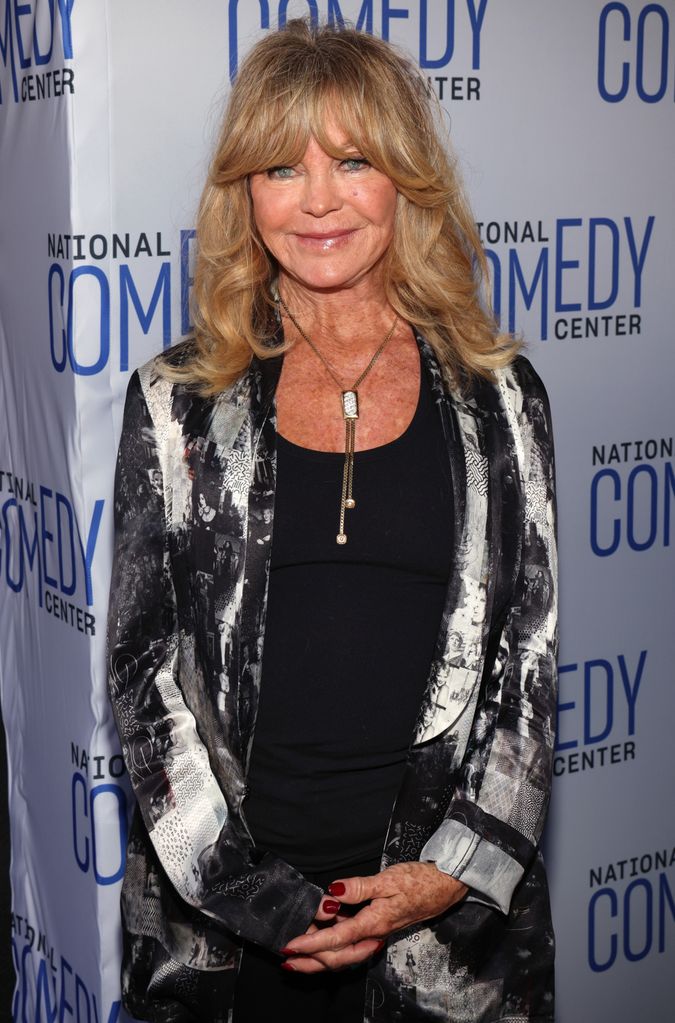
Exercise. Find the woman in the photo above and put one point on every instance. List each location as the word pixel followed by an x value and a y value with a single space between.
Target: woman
pixel 379 466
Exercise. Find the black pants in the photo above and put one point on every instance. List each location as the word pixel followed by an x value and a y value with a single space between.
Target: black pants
pixel 265 993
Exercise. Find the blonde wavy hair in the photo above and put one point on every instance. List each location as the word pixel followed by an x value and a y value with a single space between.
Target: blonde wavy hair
pixel 293 83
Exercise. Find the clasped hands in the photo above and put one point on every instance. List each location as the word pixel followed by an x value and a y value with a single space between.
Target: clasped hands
pixel 397 897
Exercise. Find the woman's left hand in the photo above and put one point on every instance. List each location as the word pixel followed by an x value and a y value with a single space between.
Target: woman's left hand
pixel 397 897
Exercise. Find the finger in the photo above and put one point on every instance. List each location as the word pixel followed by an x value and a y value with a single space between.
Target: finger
pixel 352 890
pixel 368 923
pixel 342 960
pixel 328 910
pixel 308 964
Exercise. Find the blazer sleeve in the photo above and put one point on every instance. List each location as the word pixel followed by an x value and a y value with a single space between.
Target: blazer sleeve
pixel 496 816
pixel 200 842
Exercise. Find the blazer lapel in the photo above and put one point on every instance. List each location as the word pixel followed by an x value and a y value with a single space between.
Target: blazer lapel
pixel 229 463
pixel 264 377
pixel 452 687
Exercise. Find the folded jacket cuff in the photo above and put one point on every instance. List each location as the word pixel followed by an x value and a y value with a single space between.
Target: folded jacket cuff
pixel 487 870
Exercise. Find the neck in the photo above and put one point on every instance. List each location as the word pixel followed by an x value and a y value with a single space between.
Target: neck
pixel 342 320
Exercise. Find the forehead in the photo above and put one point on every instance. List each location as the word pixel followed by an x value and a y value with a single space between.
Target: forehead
pixel 323 120
pixel 335 143
pixel 335 124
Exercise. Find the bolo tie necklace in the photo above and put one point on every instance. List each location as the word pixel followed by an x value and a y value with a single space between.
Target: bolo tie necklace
pixel 349 403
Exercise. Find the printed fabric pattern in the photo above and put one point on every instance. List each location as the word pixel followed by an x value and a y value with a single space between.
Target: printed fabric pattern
pixel 194 511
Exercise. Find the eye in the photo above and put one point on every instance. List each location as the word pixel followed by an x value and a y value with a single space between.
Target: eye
pixel 355 163
pixel 280 172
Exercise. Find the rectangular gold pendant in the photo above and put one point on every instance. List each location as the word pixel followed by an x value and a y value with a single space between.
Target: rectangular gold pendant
pixel 350 404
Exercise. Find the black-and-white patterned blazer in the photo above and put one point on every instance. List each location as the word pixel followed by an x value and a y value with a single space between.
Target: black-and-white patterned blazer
pixel 194 495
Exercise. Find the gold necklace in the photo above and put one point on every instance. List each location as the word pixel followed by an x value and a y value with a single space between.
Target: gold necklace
pixel 349 403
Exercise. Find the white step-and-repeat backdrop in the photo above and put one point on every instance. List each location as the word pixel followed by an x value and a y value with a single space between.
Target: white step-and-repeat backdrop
pixel 562 112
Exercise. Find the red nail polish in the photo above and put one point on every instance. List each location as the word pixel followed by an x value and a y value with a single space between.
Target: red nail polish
pixel 286 951
pixel 330 906
pixel 336 888
pixel 380 946
pixel 287 966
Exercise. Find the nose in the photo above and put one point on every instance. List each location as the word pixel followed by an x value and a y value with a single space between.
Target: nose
pixel 321 194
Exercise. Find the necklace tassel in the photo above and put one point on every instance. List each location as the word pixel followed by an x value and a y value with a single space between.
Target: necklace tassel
pixel 350 411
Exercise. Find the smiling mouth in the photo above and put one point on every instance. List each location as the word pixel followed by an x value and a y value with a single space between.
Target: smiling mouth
pixel 325 240
pixel 337 233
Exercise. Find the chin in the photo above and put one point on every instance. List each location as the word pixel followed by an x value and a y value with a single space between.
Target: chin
pixel 322 280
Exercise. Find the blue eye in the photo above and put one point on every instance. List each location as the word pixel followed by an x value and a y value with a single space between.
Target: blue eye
pixel 280 172
pixel 355 163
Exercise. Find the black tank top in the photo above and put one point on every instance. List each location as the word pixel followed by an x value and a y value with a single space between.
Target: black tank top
pixel 350 636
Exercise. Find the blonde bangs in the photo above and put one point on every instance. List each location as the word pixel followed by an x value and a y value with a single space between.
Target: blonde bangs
pixel 287 121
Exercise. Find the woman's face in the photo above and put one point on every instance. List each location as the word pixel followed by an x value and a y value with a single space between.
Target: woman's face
pixel 328 222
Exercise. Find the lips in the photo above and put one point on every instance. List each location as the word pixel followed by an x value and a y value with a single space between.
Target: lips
pixel 325 240
pixel 320 235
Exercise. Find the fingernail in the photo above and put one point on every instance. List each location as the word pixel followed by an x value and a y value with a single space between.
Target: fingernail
pixel 330 906
pixel 287 966
pixel 287 951
pixel 336 888
pixel 380 946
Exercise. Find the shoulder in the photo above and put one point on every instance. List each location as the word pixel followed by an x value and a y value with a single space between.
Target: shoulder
pixel 152 375
pixel 522 375
pixel 524 393
pixel 174 407
pixel 165 397
pixel 525 402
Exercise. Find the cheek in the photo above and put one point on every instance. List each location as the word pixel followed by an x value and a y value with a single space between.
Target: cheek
pixel 265 209
pixel 382 208
pixel 273 221
pixel 262 215
pixel 268 228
